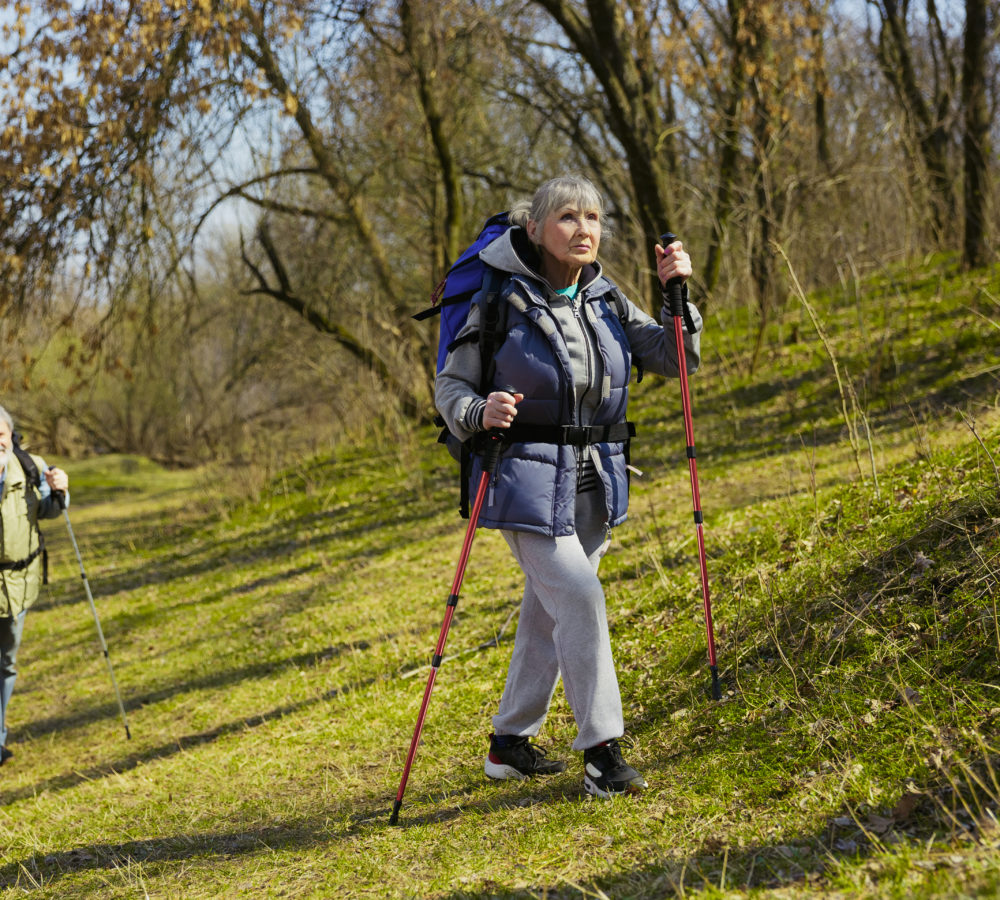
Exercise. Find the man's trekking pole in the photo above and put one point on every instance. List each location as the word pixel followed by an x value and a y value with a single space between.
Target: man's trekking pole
pixel 490 457
pixel 90 599
pixel 675 300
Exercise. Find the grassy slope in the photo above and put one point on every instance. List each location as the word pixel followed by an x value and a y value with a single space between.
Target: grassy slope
pixel 272 654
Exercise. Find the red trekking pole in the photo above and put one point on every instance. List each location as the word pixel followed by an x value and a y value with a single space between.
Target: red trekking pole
pixel 490 457
pixel 675 300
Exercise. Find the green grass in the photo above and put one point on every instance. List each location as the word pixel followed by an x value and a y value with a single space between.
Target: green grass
pixel 272 645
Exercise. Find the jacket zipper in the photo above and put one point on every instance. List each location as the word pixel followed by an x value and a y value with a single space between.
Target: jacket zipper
pixel 585 330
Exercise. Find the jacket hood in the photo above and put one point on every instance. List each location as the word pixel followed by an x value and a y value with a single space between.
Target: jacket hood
pixel 513 253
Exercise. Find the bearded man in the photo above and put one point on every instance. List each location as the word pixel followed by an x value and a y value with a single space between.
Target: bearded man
pixel 25 497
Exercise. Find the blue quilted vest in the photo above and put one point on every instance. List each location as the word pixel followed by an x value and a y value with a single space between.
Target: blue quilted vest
pixel 533 487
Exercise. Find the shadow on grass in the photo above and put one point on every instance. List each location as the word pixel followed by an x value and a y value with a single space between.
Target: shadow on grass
pixel 110 712
pixel 341 542
pixel 789 861
pixel 182 744
pixel 36 871
pixel 794 861
pixel 212 680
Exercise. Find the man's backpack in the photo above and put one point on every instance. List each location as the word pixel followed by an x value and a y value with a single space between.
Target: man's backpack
pixel 34 478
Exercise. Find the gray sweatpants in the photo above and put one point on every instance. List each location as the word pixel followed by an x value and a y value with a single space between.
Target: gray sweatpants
pixel 563 629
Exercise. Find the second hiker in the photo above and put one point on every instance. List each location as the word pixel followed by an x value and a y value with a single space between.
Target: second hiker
pixel 27 493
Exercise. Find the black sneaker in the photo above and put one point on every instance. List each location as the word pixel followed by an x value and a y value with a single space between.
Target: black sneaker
pixel 5 754
pixel 605 772
pixel 521 759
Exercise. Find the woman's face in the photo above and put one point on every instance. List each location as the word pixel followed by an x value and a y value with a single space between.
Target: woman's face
pixel 570 236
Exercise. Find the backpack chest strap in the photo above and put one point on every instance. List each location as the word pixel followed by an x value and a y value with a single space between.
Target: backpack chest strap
pixel 574 435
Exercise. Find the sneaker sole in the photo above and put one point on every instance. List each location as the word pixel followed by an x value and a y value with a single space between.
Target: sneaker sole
pixel 592 788
pixel 502 772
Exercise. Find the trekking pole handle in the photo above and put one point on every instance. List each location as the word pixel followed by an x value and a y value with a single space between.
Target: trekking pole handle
pixel 494 440
pixel 59 496
pixel 672 290
pixel 491 452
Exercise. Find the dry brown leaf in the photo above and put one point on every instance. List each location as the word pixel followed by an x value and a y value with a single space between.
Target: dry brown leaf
pixel 905 806
pixel 879 824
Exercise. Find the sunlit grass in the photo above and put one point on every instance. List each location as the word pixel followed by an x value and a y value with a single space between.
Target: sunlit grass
pixel 271 637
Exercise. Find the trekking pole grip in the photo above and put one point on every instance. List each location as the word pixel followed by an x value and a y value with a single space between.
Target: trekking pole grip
pixel 59 496
pixel 491 452
pixel 673 290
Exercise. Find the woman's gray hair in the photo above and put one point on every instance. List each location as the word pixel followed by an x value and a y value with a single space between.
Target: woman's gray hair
pixel 566 190
pixel 7 417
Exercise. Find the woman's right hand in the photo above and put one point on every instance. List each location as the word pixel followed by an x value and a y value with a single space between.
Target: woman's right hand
pixel 501 407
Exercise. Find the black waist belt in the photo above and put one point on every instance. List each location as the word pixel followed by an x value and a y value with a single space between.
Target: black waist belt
pixel 21 563
pixel 577 435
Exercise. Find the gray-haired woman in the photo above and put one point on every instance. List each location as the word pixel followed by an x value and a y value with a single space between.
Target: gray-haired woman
pixel 565 359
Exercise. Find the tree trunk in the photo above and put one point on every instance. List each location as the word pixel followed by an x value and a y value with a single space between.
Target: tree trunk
pixel 729 153
pixel 420 53
pixel 976 134
pixel 927 121
pixel 821 87
pixel 762 215
pixel 614 55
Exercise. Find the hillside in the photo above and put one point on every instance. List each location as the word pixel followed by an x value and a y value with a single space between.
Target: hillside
pixel 271 638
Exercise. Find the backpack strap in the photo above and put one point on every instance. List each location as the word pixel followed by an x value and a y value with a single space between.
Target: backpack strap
pixel 492 331
pixel 621 305
pixel 35 480
pixel 26 461
pixel 492 326
pixel 22 564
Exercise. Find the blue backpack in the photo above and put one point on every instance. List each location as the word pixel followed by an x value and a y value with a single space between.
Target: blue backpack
pixel 452 300
pixel 452 297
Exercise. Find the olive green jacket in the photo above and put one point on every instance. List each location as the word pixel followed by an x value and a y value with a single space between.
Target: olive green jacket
pixel 21 506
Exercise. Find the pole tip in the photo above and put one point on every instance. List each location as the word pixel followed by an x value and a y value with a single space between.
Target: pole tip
pixel 716 688
pixel 394 818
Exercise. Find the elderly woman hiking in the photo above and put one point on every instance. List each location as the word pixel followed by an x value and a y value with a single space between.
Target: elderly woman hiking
pixel 559 393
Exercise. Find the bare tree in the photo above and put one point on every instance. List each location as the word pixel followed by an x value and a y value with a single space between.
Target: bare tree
pixel 975 138
pixel 618 41
pixel 924 78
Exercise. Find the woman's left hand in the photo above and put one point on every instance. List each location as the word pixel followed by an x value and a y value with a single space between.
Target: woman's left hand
pixel 672 261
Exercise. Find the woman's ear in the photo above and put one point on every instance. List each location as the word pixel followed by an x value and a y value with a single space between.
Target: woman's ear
pixel 531 229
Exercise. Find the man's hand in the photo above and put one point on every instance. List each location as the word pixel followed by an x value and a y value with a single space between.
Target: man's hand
pixel 58 480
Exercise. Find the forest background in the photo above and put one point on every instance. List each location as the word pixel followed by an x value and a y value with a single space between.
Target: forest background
pixel 218 217
pixel 216 220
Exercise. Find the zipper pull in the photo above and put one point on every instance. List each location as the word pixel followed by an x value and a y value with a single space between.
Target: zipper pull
pixel 493 484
